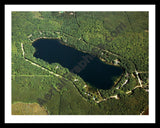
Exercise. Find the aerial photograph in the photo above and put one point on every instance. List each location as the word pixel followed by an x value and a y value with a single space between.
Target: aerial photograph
pixel 80 63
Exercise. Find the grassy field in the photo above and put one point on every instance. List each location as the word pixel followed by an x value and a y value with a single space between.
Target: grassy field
pixel 28 109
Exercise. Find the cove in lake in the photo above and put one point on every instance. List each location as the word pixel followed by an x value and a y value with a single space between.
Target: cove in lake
pixel 90 68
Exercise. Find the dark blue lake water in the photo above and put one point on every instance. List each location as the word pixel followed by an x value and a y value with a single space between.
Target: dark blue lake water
pixel 91 69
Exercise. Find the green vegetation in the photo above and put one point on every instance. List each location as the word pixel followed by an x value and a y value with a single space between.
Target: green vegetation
pixel 117 38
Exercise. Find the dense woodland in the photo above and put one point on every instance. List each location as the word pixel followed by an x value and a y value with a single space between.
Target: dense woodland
pixel 110 36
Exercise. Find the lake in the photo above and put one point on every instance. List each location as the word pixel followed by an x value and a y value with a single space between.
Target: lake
pixel 90 68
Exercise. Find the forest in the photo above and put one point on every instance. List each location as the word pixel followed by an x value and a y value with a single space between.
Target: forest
pixel 110 36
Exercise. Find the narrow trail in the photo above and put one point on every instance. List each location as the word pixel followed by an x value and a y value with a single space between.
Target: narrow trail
pixel 57 75
pixel 111 97
pixel 39 66
pixel 111 53
pixel 138 78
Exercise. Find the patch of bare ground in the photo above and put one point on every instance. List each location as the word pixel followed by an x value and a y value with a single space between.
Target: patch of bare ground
pixel 28 109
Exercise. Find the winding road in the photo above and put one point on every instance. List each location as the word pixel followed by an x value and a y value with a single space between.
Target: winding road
pixel 138 78
pixel 57 75
pixel 37 65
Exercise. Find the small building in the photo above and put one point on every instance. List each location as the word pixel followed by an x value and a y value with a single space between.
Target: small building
pixel 116 61
pixel 126 75
pixel 56 67
pixel 40 32
pixel 147 90
pixel 75 79
pixel 85 86
pixel 71 13
pixel 29 35
pixel 117 87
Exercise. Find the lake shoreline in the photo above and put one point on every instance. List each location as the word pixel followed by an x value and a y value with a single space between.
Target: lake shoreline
pixel 96 63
